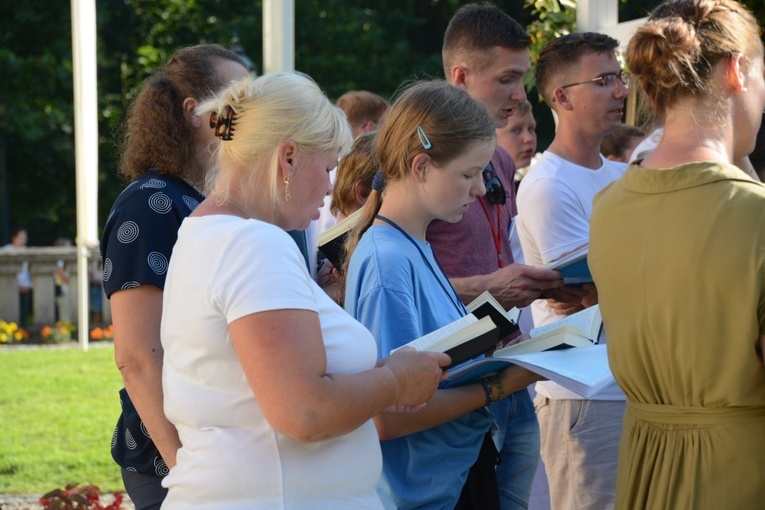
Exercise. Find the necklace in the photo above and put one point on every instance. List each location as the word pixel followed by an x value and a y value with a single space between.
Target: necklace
pixel 453 297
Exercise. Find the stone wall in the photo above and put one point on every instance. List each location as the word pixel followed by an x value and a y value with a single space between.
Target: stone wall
pixel 43 263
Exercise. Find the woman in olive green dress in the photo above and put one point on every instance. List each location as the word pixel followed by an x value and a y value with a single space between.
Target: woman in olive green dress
pixel 677 251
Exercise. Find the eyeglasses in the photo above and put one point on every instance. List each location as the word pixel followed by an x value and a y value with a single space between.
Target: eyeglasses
pixel 495 191
pixel 605 80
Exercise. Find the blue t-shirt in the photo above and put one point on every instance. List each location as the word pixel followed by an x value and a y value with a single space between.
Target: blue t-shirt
pixel 136 245
pixel 399 296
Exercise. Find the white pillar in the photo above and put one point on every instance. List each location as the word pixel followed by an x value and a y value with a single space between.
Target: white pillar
pixel 603 16
pixel 592 15
pixel 86 148
pixel 278 35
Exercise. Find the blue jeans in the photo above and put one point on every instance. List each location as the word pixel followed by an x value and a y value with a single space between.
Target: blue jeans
pixel 517 440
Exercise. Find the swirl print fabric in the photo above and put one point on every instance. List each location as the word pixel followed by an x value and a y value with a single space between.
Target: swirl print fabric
pixel 136 246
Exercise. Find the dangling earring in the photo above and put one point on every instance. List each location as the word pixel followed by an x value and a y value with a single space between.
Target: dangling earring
pixel 287 194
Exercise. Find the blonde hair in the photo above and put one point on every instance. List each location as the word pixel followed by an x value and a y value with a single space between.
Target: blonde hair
pixel 268 111
pixel 673 54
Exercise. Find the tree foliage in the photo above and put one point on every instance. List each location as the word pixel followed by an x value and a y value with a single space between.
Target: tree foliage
pixel 554 18
pixel 342 44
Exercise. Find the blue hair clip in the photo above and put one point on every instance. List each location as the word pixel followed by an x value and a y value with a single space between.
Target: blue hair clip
pixel 378 183
pixel 424 140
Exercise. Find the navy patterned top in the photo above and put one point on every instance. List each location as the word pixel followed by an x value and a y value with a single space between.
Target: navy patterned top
pixel 135 248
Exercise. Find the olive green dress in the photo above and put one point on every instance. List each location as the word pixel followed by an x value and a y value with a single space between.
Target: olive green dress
pixel 678 257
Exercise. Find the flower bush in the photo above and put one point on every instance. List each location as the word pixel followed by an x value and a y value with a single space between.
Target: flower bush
pixel 61 332
pixel 11 333
pixel 74 497
pixel 106 333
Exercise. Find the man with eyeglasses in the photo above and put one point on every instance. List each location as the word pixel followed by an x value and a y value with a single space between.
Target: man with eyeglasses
pixel 579 77
pixel 486 53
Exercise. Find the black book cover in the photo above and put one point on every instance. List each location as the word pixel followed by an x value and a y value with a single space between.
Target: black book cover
pixel 482 344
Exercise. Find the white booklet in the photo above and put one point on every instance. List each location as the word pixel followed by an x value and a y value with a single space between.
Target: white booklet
pixel 583 370
pixel 578 330
pixel 580 367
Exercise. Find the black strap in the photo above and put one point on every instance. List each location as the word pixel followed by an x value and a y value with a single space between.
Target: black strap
pixel 453 297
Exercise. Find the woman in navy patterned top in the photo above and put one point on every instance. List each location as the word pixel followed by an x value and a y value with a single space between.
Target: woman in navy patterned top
pixel 165 155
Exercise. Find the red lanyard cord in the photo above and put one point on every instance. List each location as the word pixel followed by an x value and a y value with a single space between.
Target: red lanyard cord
pixel 496 234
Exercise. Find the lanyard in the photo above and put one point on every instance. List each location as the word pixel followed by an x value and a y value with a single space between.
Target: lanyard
pixel 451 295
pixel 496 234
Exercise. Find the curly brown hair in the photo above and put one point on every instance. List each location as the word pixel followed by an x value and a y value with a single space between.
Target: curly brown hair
pixel 156 134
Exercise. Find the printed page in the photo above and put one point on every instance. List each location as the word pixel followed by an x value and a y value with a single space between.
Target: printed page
pixel 424 342
pixel 587 321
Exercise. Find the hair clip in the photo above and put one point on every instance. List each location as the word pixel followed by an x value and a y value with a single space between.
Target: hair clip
pixel 424 140
pixel 223 126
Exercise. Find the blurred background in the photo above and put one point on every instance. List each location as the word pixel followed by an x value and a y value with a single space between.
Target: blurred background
pixel 342 44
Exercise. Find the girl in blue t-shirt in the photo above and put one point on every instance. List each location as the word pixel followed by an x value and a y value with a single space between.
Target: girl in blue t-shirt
pixel 432 148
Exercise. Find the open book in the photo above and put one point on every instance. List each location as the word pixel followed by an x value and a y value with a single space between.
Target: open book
pixel 332 241
pixel 575 330
pixel 584 370
pixel 463 339
pixel 573 266
pixel 566 335
pixel 506 320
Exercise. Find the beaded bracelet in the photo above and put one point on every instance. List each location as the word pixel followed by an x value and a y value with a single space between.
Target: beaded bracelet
pixel 487 390
pixel 500 390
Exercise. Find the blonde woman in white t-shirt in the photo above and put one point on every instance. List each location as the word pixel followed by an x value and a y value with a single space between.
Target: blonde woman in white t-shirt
pixel 271 385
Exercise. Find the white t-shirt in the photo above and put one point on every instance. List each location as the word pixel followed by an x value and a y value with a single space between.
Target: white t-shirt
pixel 554 209
pixel 224 268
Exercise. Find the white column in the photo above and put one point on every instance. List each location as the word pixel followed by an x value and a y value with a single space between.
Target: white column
pixel 86 148
pixel 278 35
pixel 603 16
pixel 592 15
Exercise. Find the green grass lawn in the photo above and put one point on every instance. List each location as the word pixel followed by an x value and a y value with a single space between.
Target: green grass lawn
pixel 58 410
